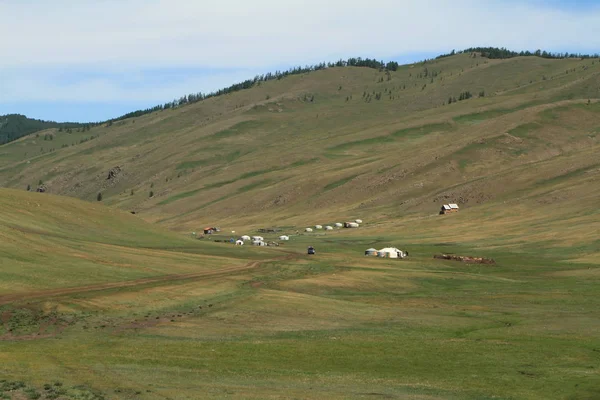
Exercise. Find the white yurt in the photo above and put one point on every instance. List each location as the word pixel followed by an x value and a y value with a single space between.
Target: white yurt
pixel 257 238
pixel 246 238
pixel 351 225
pixel 239 242
pixel 371 252
pixel 390 252
pixel 329 228
pixel 284 237
pixel 308 230
pixel 358 221
pixel 259 243
pixel 338 224
pixel 318 226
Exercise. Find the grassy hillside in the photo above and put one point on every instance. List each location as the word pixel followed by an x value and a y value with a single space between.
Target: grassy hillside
pixel 96 304
pixel 384 145
pixel 14 126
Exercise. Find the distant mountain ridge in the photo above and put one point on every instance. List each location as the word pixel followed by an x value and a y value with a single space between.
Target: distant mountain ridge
pixel 15 126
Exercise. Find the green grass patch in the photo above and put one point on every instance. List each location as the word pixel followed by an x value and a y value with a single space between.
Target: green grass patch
pixel 566 176
pixel 340 182
pixel 411 133
pixel 463 163
pixel 306 161
pixel 180 196
pixel 523 131
pixel 362 143
pixel 237 129
pixel 192 164
pixel 259 172
pixel 479 117
pixel 255 185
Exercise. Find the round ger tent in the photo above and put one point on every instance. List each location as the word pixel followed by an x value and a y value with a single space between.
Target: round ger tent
pixel 358 221
pixel 338 224
pixel 308 230
pixel 329 228
pixel 371 252
pixel 318 227
pixel 284 237
pixel 245 238
pixel 390 252
pixel 239 242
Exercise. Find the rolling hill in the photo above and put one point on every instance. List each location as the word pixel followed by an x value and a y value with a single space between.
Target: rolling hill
pixel 336 142
pixel 98 303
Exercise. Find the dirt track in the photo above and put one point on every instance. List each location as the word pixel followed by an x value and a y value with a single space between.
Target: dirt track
pixel 138 282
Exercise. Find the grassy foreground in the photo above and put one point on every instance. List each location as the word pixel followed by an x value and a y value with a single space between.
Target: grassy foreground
pixel 95 303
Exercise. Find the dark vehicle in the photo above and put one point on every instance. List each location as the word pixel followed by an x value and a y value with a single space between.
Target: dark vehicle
pixel 311 250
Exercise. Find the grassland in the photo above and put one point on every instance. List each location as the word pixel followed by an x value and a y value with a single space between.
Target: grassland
pixel 406 149
pixel 166 316
pixel 98 303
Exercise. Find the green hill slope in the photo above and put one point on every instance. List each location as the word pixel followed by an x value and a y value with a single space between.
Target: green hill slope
pixel 15 126
pixel 335 144
pixel 51 242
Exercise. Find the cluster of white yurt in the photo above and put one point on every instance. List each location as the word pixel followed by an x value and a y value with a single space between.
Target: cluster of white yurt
pixel 387 252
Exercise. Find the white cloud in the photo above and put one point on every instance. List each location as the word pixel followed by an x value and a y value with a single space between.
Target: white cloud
pixel 112 37
pixel 261 33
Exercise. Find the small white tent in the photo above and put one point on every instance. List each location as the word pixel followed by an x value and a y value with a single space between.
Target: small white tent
pixel 284 237
pixel 308 230
pixel 390 252
pixel 329 228
pixel 259 243
pixel 246 238
pixel 358 221
pixel 239 242
pixel 257 238
pixel 351 225
pixel 371 252
pixel 338 224
pixel 318 227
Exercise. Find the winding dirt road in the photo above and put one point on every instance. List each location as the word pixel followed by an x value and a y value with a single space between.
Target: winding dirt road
pixel 10 298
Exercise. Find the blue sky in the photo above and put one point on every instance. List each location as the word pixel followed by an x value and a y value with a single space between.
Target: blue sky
pixel 91 60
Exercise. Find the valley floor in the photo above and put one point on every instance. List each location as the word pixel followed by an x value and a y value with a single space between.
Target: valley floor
pixel 276 323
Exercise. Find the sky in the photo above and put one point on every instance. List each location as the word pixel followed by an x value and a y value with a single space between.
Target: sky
pixel 91 60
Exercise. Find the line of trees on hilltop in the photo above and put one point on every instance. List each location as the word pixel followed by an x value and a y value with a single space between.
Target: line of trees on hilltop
pixel 258 79
pixel 503 53
pixel 15 126
pixel 487 52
